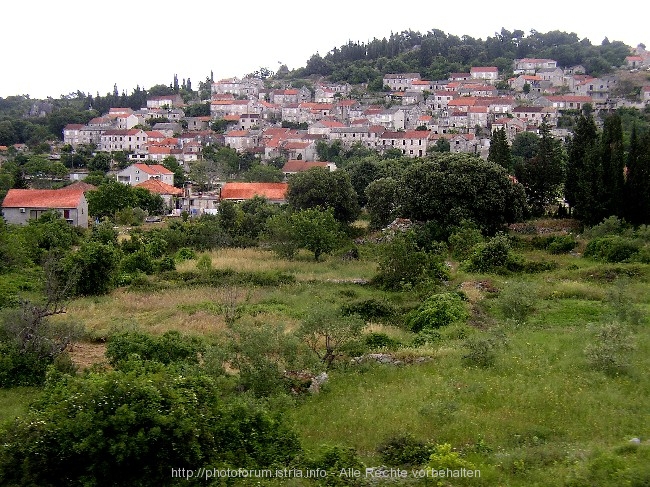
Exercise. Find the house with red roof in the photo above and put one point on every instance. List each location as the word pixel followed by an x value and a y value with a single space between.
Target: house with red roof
pixel 165 101
pixel 294 166
pixel 486 73
pixel 273 192
pixel 21 205
pixel 400 81
pixel 138 173
pixel 412 143
pixel 123 140
pixel 168 193
pixel 634 62
pixel 532 65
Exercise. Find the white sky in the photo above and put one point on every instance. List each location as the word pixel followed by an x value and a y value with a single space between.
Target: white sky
pixel 54 48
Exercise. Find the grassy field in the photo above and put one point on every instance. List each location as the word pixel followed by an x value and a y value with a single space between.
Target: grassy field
pixel 542 414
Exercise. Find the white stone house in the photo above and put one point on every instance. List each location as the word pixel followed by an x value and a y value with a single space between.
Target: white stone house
pixel 21 205
pixel 138 173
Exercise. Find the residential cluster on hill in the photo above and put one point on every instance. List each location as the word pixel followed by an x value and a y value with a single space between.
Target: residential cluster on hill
pixel 412 116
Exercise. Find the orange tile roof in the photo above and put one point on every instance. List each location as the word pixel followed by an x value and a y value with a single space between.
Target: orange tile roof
pixel 237 133
pixel 42 198
pixel 295 165
pixel 153 168
pixel 80 185
pixel 462 102
pixel 246 191
pixel 158 187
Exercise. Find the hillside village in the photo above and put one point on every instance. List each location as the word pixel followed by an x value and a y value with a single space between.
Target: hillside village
pixel 272 120
pixel 414 114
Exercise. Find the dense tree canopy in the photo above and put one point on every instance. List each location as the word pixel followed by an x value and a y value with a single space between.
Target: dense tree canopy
pixel 320 188
pixel 450 188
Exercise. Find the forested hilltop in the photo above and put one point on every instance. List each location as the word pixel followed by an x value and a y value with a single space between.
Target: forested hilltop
pixel 435 54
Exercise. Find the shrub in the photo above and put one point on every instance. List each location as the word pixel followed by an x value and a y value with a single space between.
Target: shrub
pixel 165 264
pixel 404 451
pixel 555 244
pixel 612 249
pixel 517 301
pixel 204 264
pixel 129 428
pixel 443 458
pixel 482 349
pixel 140 261
pixel 402 264
pixel 464 239
pixel 609 226
pixel 380 340
pixel 185 253
pixel 438 310
pixel 168 348
pixel 490 256
pixel 333 459
pixel 608 353
pixel 371 309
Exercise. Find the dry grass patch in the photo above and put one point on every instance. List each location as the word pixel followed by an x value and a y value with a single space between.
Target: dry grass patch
pixel 189 310
pixel 85 355
pixel 303 267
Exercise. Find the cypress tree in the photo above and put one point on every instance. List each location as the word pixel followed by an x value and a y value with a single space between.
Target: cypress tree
pixel 613 164
pixel 500 150
pixel 637 181
pixel 584 139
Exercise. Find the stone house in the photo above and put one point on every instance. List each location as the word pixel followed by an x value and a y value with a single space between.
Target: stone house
pixel 21 205
pixel 138 173
pixel 400 81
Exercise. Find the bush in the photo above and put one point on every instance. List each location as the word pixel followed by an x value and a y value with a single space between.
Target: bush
pixel 204 264
pixel 555 244
pixel 333 459
pixel 482 349
pixel 491 256
pixel 129 428
pixel 403 264
pixel 404 451
pixel 517 301
pixel 612 249
pixel 376 341
pixel 463 240
pixel 443 458
pixel 140 261
pixel 609 226
pixel 437 311
pixel 608 353
pixel 370 309
pixel 171 347
pixel 185 253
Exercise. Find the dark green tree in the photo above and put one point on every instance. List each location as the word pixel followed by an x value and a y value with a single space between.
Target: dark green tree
pixel 580 145
pixel 381 205
pixel 321 188
pixel 637 183
pixel 500 150
pixel 316 230
pixel 453 187
pixel 543 175
pixel 612 158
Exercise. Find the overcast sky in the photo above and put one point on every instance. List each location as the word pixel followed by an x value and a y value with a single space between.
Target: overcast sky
pixel 54 48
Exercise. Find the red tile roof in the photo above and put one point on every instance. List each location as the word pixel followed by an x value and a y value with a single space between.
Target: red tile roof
pixel 158 187
pixel 246 191
pixel 42 198
pixel 295 165
pixel 153 168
